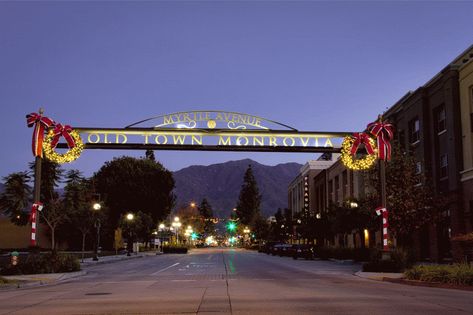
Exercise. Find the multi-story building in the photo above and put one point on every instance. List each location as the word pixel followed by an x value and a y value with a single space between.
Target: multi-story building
pixel 339 186
pixel 465 64
pixel 434 123
pixel 428 124
pixel 301 191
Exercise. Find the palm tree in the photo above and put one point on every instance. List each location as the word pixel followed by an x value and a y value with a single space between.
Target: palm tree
pixel 15 199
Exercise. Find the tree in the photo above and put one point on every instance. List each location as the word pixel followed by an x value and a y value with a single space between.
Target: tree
pixel 78 199
pixel 15 199
pixel 410 199
pixel 206 214
pixel 261 229
pixel 281 228
pixel 138 228
pixel 51 175
pixel 150 155
pixel 249 201
pixel 128 183
pixel 146 227
pixel 54 215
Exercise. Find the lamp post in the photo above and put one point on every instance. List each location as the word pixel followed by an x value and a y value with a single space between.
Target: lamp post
pixel 161 229
pixel 176 224
pixel 188 233
pixel 246 230
pixel 96 206
pixel 129 243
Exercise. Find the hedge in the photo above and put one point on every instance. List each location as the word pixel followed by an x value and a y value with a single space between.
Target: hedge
pixel 43 263
pixel 458 274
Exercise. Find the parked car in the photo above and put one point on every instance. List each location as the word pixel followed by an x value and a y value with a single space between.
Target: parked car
pixel 268 246
pixel 281 249
pixel 303 251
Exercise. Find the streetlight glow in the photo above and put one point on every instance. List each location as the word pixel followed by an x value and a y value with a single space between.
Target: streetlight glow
pixel 130 216
pixel 176 219
pixel 96 206
pixel 161 226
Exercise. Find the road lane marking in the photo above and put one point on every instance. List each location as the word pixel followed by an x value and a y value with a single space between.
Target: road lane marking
pixel 155 273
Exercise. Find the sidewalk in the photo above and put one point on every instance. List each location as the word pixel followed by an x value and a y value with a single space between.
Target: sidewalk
pixel 111 259
pixel 24 281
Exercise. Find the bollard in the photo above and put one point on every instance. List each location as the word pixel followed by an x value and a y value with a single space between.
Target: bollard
pixel 15 258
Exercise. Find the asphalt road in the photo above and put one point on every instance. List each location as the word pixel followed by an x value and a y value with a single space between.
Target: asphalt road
pixel 230 281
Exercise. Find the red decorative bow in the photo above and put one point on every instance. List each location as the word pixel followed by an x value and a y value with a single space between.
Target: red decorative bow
pixel 63 131
pixel 40 123
pixel 384 134
pixel 361 138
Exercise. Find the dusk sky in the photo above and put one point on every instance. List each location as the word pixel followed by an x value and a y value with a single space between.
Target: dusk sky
pixel 316 66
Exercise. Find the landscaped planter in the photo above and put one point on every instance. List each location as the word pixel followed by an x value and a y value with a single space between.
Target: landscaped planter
pixel 174 250
pixel 462 248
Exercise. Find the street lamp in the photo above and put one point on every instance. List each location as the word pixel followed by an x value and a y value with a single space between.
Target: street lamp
pixel 176 224
pixel 96 207
pixel 129 244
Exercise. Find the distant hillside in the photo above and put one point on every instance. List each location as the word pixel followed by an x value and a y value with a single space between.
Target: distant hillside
pixel 221 183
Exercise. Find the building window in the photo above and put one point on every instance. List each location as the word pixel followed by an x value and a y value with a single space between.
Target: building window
pixel 443 166
pixel 441 119
pixel 418 168
pixel 401 138
pixel 345 184
pixel 414 130
pixel 471 122
pixel 330 190
pixel 337 188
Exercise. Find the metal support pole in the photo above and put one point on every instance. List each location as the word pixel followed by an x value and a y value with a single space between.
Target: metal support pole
pixel 37 195
pixel 36 198
pixel 386 255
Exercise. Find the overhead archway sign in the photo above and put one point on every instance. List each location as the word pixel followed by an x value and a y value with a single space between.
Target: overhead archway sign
pixel 210 131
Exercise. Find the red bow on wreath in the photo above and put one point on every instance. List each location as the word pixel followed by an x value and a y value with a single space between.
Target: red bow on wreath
pixel 384 134
pixel 63 131
pixel 361 138
pixel 40 123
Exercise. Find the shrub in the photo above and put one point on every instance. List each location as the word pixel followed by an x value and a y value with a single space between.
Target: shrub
pixel 175 249
pixel 3 280
pixel 403 258
pixel 44 263
pixel 357 254
pixel 459 274
pixel 381 266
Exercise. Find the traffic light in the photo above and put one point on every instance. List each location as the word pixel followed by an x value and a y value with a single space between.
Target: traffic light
pixel 231 226
pixel 194 236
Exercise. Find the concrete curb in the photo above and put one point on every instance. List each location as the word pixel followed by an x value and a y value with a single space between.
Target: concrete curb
pixel 28 281
pixel 108 261
pixel 342 261
pixel 419 283
pixel 378 276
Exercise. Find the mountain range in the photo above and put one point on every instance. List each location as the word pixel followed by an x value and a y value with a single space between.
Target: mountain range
pixel 221 184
